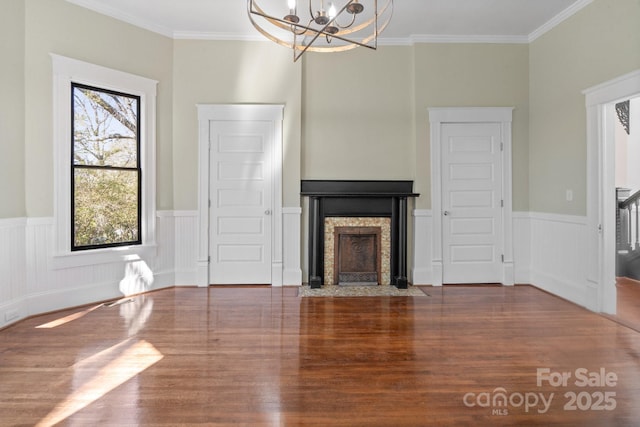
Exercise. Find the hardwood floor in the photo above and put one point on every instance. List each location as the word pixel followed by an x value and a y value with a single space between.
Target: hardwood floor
pixel 261 356
pixel 628 304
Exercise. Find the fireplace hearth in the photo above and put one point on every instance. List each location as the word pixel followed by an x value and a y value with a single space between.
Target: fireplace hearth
pixel 359 201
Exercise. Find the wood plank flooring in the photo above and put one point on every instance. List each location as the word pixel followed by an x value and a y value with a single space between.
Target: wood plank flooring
pixel 628 307
pixel 262 356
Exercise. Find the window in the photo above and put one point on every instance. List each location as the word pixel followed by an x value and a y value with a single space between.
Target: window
pixel 106 172
pixel 104 164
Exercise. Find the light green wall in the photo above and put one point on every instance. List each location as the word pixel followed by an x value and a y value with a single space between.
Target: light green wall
pixel 12 198
pixel 365 113
pixel 472 75
pixel 56 26
pixel 357 115
pixel 597 44
pixel 212 72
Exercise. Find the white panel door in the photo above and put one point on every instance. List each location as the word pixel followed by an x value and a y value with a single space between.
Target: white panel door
pixel 240 191
pixel 471 203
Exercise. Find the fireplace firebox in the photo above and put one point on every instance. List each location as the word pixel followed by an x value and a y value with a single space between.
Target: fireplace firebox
pixel 358 254
pixel 358 199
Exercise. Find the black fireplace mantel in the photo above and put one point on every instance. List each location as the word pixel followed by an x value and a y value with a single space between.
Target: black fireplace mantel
pixel 340 198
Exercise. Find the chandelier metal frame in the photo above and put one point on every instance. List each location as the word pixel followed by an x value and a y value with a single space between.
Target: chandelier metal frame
pixel 323 28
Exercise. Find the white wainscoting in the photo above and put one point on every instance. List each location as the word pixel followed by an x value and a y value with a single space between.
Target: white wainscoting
pixel 31 285
pixel 12 270
pixel 164 270
pixel 285 272
pixel 549 252
pixel 558 256
pixel 421 272
pixel 51 289
pixel 291 226
pixel 185 246
pixel 522 247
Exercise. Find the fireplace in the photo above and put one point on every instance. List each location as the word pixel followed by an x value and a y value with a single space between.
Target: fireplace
pixel 357 256
pixel 363 205
pixel 352 240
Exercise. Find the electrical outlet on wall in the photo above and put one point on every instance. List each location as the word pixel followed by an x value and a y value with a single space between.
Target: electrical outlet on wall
pixel 569 195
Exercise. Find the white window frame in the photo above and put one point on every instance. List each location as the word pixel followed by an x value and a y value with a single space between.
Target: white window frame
pixel 68 70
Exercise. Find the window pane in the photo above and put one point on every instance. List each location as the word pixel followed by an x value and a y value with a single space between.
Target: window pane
pixel 105 207
pixel 105 128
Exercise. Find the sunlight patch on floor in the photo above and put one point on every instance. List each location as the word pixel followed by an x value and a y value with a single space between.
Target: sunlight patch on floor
pixel 131 362
pixel 67 319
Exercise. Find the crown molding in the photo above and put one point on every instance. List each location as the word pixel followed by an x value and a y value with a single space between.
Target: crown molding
pixel 100 7
pixel 394 41
pixel 436 38
pixel 197 35
pixel 112 12
pixel 559 18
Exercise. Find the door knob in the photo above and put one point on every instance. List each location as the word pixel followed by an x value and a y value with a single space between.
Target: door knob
pixel 445 213
pixel 267 212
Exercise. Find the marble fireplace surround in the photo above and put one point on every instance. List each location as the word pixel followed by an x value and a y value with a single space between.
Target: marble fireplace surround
pixel 358 199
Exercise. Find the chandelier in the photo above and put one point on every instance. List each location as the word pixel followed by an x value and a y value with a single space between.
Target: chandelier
pixel 319 25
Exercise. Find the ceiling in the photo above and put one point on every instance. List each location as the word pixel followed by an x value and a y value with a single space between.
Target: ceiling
pixel 413 20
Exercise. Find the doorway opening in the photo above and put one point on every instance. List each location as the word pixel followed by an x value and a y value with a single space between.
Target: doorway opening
pixel 627 183
pixel 601 183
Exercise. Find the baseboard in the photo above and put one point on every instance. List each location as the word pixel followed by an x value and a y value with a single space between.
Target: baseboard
pixel 291 223
pixel 421 276
pixel 60 299
pixel 12 311
pixel 422 271
pixel 522 247
pixel 563 288
pixel 186 278
pixel 163 279
pixel 292 277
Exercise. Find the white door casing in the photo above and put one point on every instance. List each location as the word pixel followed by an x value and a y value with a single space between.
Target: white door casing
pixel 239 194
pixel 440 119
pixel 601 244
pixel 471 202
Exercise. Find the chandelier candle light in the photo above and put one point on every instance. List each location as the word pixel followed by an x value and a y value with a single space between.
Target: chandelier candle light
pixel 326 26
